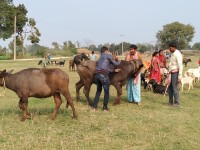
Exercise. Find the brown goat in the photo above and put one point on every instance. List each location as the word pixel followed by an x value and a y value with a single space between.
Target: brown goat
pixel 71 65
pixel 39 83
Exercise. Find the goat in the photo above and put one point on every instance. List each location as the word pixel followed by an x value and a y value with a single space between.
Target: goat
pixel 61 63
pixel 43 63
pixel 188 79
pixel 71 65
pixel 39 83
pixel 195 73
pixel 157 88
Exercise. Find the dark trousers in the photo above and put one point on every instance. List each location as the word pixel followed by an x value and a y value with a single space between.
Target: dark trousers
pixel 173 89
pixel 102 81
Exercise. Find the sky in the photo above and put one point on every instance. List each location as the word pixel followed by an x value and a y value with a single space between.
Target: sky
pixel 108 21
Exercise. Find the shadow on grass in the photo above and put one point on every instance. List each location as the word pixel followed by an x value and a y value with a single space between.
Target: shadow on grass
pixel 36 112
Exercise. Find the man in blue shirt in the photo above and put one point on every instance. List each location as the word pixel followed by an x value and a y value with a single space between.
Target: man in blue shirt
pixel 102 76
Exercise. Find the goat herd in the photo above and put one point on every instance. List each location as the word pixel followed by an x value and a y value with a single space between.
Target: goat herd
pixel 190 76
pixel 55 82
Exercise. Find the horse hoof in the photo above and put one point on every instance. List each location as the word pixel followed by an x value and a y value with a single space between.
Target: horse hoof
pixel 75 117
pixel 90 104
pixel 23 119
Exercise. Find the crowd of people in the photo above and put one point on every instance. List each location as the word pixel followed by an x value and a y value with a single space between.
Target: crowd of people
pixel 158 61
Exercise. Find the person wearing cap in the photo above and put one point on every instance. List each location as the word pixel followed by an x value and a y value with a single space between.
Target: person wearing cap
pixel 162 59
pixel 133 84
pixel 175 69
pixel 155 68
pixel 101 77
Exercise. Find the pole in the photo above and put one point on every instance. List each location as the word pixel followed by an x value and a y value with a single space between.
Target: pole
pixel 15 20
pixel 122 45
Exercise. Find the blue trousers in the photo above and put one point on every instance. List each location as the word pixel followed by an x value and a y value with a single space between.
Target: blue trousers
pixel 173 89
pixel 102 81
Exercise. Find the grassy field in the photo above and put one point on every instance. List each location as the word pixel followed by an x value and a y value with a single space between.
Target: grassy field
pixel 153 125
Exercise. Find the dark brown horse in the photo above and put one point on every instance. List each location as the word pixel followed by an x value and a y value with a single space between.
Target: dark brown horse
pixel 80 57
pixel 86 72
pixel 186 60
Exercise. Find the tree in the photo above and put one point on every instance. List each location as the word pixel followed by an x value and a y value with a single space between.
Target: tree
pixel 6 19
pixel 196 46
pixel 24 25
pixel 55 45
pixel 92 47
pixel 178 32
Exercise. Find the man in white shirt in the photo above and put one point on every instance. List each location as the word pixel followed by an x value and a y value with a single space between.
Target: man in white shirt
pixel 176 69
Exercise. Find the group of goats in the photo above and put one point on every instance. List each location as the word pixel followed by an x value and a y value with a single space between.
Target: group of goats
pixel 51 62
pixel 191 76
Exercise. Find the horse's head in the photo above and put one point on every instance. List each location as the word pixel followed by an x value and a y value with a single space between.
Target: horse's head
pixel 84 56
pixel 138 65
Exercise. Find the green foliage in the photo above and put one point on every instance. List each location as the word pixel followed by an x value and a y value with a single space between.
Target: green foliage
pixel 196 46
pixel 41 51
pixel 55 45
pixel 178 32
pixel 7 11
pixel 24 25
pixel 3 51
pixel 35 34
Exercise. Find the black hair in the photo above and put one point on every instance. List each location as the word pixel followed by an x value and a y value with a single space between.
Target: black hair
pixel 133 46
pixel 173 44
pixel 160 50
pixel 155 53
pixel 103 49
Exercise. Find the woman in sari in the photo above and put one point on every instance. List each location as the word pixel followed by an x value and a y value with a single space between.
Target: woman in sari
pixel 133 84
pixel 155 68
pixel 162 59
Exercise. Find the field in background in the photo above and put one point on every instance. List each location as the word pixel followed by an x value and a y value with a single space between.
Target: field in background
pixel 153 125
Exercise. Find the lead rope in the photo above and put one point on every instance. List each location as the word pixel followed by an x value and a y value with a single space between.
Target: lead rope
pixel 4 86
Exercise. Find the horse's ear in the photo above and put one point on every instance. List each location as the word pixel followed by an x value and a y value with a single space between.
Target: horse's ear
pixel 2 73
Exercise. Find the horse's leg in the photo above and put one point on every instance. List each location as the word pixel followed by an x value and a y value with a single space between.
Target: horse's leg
pixel 86 91
pixel 79 85
pixel 119 93
pixel 23 105
pixel 69 100
pixel 58 102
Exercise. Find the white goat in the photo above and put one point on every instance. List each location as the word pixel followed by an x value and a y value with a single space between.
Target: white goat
pixel 195 73
pixel 187 80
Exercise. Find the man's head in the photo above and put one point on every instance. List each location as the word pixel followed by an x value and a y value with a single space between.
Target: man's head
pixel 104 49
pixel 172 46
pixel 133 49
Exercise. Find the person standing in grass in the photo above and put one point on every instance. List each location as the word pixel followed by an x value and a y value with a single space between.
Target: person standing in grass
pixel 101 76
pixel 162 59
pixel 155 67
pixel 93 56
pixel 175 69
pixel 133 84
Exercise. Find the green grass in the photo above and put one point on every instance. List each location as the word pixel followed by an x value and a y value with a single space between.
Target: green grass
pixel 153 125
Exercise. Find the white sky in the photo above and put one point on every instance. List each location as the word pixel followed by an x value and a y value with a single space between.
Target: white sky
pixel 103 21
